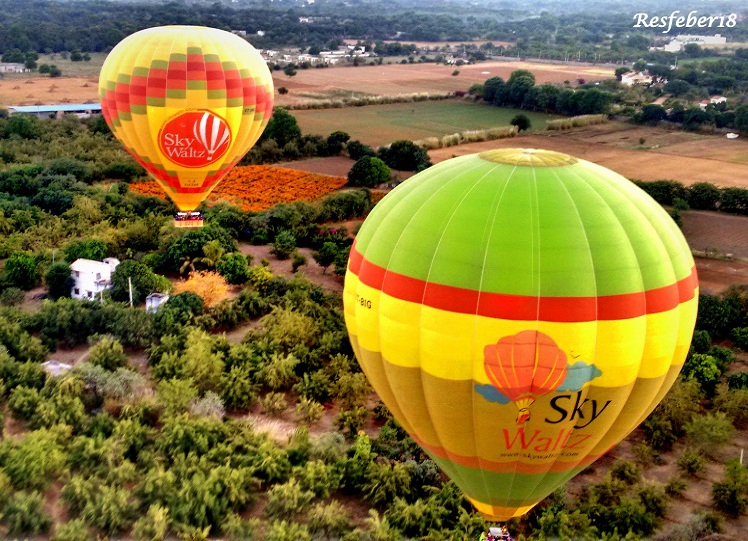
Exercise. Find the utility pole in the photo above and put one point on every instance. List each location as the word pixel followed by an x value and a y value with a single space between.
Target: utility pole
pixel 129 285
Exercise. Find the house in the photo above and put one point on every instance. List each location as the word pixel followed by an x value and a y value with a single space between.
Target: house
pixel 13 67
pixel 714 100
pixel 55 368
pixel 154 300
pixel 81 110
pixel 631 78
pixel 92 277
pixel 678 42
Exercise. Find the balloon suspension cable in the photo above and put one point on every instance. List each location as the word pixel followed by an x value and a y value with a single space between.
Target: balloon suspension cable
pixel 188 219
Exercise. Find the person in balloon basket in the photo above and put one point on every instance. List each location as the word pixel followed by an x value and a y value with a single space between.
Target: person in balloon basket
pixel 496 534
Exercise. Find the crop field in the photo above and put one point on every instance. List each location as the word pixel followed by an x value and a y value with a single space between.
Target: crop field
pixel 395 79
pixel 79 80
pixel 378 125
pixel 259 187
pixel 663 155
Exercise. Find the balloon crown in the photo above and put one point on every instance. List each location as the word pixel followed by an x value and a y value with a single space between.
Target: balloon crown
pixel 528 157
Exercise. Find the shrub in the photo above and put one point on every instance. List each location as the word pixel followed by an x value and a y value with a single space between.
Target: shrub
pixel 625 471
pixel 73 530
pixel 287 500
pixel 298 260
pixel 234 267
pixel 690 462
pixel 708 433
pixel 284 244
pixel 108 354
pixel 24 513
pixel 728 498
pixel 309 411
pixel 274 404
pixel 12 296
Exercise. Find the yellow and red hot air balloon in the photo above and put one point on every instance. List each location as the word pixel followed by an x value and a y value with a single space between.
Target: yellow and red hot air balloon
pixel 187 103
pixel 519 312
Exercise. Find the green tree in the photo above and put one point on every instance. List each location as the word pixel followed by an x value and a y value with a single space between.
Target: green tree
pixel 282 128
pixel 653 113
pixel 59 281
pixel 405 155
pixel 154 526
pixel 234 268
pixel 356 150
pixel 336 142
pixel 703 196
pixel 709 433
pixel 133 272
pixel 108 354
pixel 728 495
pixel 494 90
pixel 21 271
pixel 521 121
pixel 620 71
pixel 741 118
pixel 368 171
pixel 23 126
pixel 705 369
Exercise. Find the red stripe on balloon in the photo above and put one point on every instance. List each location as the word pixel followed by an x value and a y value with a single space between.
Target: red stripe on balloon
pixel 522 307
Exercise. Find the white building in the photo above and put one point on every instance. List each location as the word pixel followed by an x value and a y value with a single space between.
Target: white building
pixel 678 42
pixel 714 100
pixel 154 301
pixel 13 67
pixel 92 277
pixel 631 78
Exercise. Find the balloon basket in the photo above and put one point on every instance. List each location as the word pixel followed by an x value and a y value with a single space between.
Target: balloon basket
pixel 188 219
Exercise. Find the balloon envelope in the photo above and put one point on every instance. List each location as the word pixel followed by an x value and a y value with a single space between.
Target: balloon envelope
pixel 519 312
pixel 187 102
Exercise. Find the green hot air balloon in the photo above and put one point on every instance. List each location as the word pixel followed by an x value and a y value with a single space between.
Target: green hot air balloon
pixel 519 312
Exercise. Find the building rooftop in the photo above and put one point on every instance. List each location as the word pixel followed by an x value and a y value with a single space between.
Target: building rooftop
pixel 62 107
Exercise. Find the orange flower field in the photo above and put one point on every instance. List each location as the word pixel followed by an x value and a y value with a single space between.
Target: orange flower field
pixel 259 187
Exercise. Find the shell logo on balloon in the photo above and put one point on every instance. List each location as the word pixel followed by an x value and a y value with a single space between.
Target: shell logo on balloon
pixel 519 312
pixel 194 138
pixel 526 366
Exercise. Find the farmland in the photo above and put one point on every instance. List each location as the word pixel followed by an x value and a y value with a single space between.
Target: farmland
pixel 396 79
pixel 380 124
pixel 259 187
pixel 80 79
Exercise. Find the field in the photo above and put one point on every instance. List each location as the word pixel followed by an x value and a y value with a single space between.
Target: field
pixel 380 124
pixel 388 80
pixel 664 154
pixel 259 187
pixel 80 79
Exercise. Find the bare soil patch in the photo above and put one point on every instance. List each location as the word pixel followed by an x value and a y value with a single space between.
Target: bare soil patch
pixel 394 79
pixel 37 91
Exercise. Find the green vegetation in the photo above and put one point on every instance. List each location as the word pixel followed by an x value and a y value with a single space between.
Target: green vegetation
pixel 380 124
pixel 167 449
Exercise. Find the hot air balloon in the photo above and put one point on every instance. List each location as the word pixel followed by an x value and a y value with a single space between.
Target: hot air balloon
pixel 187 103
pixel 519 312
